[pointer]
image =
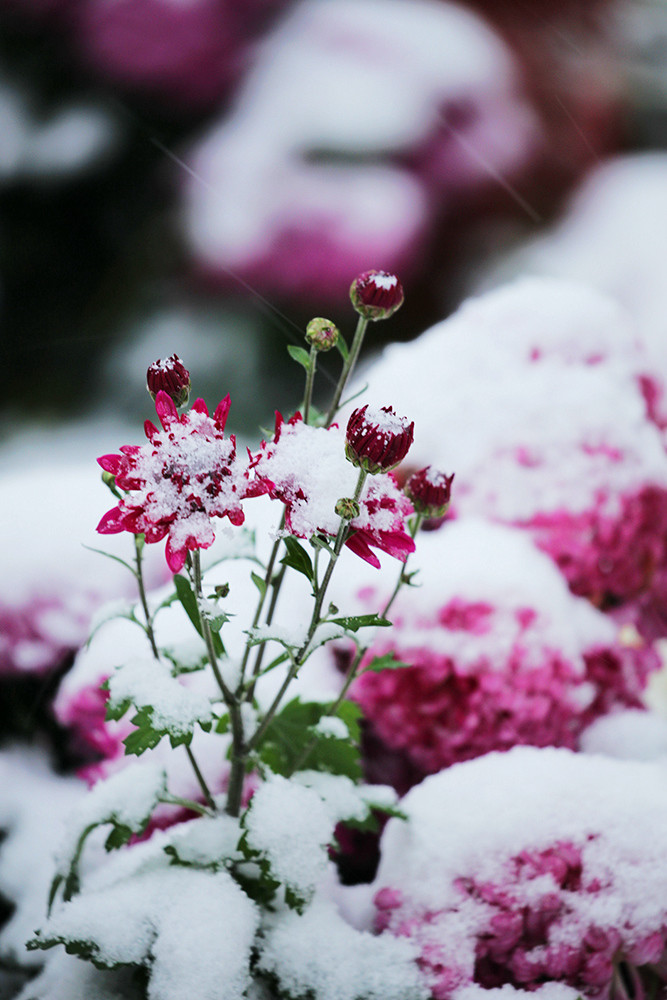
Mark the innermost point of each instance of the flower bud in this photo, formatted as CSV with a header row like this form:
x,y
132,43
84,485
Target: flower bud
x,y
347,507
376,294
170,376
322,334
377,440
430,492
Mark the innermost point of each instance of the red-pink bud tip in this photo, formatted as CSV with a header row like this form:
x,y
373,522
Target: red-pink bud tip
x,y
170,376
376,294
430,492
377,440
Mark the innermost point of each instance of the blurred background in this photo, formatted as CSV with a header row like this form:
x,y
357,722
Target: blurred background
x,y
203,176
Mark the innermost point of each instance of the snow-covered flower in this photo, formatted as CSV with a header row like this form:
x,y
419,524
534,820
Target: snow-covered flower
x,y
527,867
430,491
498,653
187,474
377,440
376,294
170,376
305,467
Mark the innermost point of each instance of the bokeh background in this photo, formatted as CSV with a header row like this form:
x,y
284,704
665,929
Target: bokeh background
x,y
203,176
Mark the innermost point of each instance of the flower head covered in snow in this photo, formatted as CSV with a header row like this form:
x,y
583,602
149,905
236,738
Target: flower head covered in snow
x,y
186,474
430,492
377,440
305,467
564,886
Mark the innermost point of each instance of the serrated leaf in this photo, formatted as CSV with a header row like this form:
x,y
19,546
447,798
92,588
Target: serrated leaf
x,y
386,662
215,622
259,582
299,355
297,558
292,731
353,623
115,712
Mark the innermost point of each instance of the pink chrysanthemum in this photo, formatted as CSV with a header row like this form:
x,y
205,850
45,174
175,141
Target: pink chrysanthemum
x,y
305,467
186,474
543,866
499,653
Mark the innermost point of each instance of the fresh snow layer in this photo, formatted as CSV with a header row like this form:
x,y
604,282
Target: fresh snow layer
x,y
526,434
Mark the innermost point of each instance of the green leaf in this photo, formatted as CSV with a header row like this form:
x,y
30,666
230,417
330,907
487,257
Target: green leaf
x,y
297,558
260,583
342,347
299,355
119,836
187,598
354,622
292,731
386,662
216,622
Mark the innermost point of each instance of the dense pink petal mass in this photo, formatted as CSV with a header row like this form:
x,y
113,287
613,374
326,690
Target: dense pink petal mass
x,y
187,474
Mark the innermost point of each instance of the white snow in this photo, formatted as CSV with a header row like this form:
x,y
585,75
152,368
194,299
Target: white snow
x,y
630,735
525,435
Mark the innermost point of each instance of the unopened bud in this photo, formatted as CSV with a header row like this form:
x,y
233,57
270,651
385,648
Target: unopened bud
x,y
376,294
322,334
170,376
377,440
347,508
430,492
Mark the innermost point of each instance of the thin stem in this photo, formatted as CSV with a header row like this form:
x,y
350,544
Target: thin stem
x,y
310,379
352,670
301,656
239,750
138,546
200,778
262,647
347,367
262,598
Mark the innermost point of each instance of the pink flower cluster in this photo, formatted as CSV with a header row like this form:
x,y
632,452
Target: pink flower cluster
x,y
563,884
493,660
524,938
438,711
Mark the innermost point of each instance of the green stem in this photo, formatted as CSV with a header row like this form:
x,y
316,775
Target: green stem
x,y
353,668
348,366
138,545
262,647
200,778
310,379
239,751
301,656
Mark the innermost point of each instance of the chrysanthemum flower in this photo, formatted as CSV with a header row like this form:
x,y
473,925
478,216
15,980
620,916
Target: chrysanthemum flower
x,y
499,653
430,491
305,467
529,867
377,440
172,377
187,474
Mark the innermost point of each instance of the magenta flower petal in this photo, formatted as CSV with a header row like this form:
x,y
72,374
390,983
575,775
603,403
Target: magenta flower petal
x,y
221,411
175,557
111,523
111,463
166,409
